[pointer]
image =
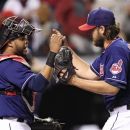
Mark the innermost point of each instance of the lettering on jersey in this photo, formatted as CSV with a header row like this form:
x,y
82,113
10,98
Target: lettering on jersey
x,y
101,70
116,68
114,77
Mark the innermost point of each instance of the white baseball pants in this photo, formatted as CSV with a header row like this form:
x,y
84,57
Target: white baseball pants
x,y
11,124
119,119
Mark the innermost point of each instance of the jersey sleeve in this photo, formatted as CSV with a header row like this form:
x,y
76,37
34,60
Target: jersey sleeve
x,y
95,66
116,68
21,76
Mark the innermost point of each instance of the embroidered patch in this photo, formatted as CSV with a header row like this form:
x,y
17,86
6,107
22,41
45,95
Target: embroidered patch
x,y
116,68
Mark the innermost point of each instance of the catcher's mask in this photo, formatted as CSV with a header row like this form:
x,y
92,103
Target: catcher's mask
x,y
15,27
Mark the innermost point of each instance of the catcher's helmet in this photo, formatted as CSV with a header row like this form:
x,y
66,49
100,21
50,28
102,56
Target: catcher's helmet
x,y
14,27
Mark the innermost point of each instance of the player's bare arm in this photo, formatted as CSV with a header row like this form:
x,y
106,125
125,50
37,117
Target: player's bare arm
x,y
55,44
83,68
99,87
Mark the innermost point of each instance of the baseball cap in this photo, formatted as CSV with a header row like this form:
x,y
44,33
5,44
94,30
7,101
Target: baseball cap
x,y
98,17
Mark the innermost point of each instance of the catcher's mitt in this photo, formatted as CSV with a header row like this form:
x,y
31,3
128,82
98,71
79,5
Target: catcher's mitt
x,y
63,61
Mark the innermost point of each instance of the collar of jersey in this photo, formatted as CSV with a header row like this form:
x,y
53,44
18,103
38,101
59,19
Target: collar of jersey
x,y
111,44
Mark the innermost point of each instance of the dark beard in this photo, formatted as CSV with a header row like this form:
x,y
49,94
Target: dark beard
x,y
100,42
27,56
20,53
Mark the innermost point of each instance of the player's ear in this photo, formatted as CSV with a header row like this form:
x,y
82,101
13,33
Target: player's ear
x,y
102,29
11,44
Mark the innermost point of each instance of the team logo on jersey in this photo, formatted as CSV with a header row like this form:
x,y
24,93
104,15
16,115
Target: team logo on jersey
x,y
116,68
101,70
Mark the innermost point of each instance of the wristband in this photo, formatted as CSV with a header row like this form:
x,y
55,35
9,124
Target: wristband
x,y
50,59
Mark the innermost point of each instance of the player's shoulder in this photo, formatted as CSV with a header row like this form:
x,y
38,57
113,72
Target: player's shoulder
x,y
119,44
11,64
13,60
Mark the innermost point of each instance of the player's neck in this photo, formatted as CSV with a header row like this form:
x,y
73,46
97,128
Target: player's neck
x,y
107,43
8,51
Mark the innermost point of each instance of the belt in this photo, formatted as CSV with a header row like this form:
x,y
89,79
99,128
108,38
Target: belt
x,y
121,108
14,119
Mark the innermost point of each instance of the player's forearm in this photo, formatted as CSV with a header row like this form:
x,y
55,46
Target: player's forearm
x,y
99,87
81,66
47,71
54,45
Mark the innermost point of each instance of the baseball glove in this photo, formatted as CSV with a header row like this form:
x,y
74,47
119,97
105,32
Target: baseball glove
x,y
63,61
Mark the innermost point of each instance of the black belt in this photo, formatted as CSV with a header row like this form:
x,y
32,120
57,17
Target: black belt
x,y
128,107
17,119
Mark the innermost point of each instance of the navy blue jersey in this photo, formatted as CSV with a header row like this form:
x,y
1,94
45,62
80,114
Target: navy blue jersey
x,y
113,66
15,75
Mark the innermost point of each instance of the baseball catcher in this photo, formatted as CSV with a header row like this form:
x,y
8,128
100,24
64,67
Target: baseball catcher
x,y
63,62
16,75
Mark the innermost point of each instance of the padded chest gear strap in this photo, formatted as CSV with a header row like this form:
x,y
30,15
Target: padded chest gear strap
x,y
15,58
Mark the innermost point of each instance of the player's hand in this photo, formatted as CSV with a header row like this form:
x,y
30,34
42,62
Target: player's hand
x,y
56,40
71,80
65,41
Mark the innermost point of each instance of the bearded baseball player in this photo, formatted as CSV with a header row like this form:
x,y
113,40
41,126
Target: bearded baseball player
x,y
109,74
16,75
